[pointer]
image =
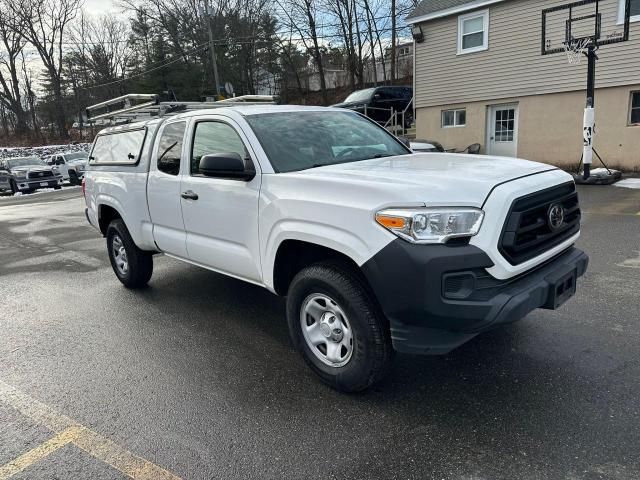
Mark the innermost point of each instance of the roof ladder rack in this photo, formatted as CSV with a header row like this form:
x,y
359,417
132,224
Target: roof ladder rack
x,y
135,107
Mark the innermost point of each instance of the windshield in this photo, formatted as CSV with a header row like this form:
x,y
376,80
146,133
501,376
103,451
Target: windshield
x,y
76,156
25,162
300,140
360,95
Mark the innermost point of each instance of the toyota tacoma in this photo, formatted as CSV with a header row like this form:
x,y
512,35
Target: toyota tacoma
x,y
376,249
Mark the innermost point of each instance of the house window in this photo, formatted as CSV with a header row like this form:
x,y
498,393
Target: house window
x,y
473,32
634,110
454,118
635,10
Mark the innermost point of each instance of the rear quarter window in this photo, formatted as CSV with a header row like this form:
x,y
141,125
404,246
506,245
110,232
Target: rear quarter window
x,y
118,148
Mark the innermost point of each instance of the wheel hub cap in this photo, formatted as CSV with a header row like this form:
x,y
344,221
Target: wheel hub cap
x,y
326,330
331,327
120,255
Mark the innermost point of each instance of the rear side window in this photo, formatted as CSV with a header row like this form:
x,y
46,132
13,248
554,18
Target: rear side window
x,y
121,148
170,148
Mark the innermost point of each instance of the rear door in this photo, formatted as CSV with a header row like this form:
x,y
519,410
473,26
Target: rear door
x,y
503,130
221,214
163,189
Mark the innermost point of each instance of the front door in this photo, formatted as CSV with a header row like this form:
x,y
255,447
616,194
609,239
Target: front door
x,y
221,214
503,130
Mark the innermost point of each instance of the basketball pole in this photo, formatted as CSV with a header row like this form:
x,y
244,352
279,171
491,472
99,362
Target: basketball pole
x,y
589,111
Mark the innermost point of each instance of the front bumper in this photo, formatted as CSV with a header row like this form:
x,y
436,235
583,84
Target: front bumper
x,y
438,297
35,184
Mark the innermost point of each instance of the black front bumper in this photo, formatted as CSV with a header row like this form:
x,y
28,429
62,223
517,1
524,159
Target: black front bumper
x,y
438,297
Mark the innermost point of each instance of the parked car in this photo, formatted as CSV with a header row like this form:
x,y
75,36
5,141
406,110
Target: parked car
x,y
5,179
26,174
418,146
374,248
68,165
377,103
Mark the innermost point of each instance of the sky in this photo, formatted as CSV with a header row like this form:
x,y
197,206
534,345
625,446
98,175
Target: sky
x,y
97,7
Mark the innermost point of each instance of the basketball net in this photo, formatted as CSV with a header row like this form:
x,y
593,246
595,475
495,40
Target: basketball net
x,y
575,50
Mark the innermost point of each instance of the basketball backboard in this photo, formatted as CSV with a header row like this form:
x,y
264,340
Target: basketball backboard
x,y
596,22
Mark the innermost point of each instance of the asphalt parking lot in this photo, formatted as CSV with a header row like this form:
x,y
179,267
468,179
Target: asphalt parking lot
x,y
195,377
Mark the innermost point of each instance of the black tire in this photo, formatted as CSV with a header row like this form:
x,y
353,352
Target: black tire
x,y
14,186
139,263
372,350
73,178
57,188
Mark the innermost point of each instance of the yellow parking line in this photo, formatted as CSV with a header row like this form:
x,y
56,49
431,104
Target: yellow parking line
x,y
119,458
69,431
38,453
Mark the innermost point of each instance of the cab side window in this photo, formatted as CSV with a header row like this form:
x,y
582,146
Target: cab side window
x,y
214,137
170,148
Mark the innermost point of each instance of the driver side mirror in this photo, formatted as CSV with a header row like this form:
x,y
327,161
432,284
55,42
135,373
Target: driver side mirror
x,y
377,96
226,165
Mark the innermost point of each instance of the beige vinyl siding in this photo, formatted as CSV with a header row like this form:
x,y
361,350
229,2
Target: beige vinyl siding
x,y
513,65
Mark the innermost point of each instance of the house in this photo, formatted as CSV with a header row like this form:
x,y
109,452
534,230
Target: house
x,y
404,64
480,77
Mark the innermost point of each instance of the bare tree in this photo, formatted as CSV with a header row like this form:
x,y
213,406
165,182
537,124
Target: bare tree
x,y
31,97
301,16
43,23
393,40
11,51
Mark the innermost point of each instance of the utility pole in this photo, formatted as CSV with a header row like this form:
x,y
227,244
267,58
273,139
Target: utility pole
x,y
393,41
212,49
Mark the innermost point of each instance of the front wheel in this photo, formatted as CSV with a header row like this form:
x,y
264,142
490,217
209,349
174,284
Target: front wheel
x,y
14,186
73,178
132,266
337,326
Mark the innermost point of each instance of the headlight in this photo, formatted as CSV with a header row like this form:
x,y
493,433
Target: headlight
x,y
431,225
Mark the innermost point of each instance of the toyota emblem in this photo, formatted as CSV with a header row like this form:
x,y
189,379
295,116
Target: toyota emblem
x,y
555,216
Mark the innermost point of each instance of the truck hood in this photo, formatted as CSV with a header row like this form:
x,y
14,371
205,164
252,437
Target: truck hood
x,y
431,178
352,105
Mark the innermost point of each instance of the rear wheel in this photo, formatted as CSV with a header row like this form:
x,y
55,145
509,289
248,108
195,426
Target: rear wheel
x,y
14,186
73,178
337,326
132,266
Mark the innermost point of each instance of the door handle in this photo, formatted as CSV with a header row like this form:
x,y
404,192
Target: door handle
x,y
189,195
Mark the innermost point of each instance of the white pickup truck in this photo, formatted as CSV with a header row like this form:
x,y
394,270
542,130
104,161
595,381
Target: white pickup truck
x,y
376,248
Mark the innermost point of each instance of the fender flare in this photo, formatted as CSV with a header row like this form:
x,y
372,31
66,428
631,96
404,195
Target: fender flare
x,y
109,201
324,235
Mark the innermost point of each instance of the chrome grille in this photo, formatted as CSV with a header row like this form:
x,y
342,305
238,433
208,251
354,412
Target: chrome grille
x,y
43,174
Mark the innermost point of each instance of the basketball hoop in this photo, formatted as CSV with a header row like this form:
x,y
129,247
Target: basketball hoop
x,y
576,49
